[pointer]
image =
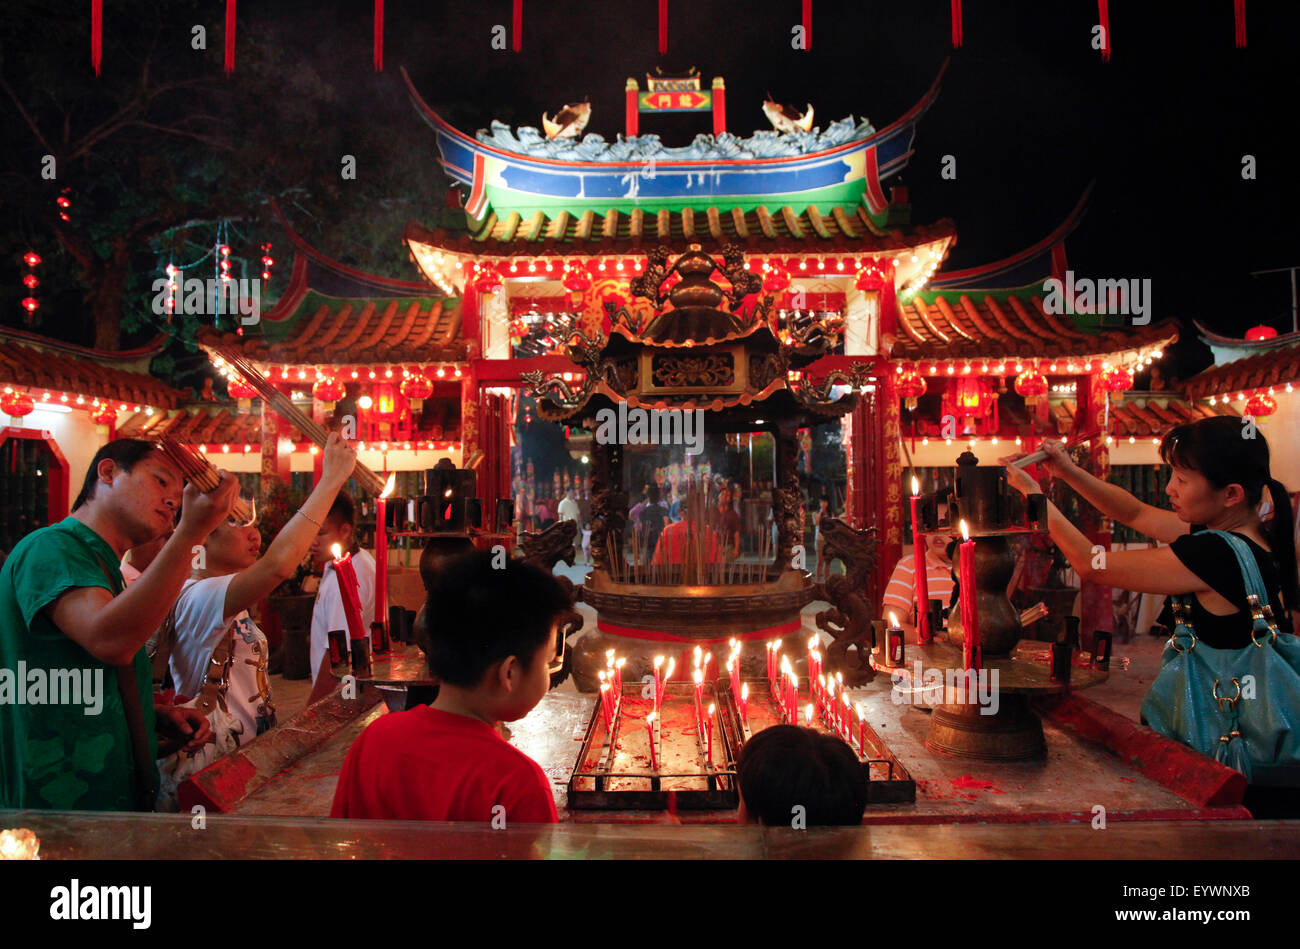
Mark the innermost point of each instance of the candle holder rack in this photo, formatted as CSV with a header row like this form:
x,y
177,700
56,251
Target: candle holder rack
x,y
888,781
616,771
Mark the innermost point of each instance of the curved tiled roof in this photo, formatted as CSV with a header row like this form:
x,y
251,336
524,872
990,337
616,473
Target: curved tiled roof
x,y
1275,367
59,367
332,331
208,424
1141,417
622,232
974,324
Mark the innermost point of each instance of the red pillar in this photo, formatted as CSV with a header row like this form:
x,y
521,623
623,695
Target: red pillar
x,y
632,115
875,479
719,106
275,449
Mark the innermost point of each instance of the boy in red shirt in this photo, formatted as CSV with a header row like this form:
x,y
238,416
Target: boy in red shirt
x,y
492,639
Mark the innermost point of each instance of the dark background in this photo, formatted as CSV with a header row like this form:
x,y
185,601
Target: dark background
x,y
1028,108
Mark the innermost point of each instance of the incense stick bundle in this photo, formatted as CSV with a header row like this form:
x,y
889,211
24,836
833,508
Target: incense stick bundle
x,y
283,406
199,470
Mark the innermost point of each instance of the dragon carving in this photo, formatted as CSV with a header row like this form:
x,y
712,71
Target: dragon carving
x,y
819,393
849,618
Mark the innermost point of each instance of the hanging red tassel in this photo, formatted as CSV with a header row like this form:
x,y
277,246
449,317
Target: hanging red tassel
x,y
230,37
1103,14
1239,11
807,25
517,24
96,33
663,27
379,35
956,23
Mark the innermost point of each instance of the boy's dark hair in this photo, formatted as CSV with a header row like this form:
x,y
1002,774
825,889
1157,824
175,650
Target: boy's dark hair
x,y
125,452
653,493
342,512
787,765
478,614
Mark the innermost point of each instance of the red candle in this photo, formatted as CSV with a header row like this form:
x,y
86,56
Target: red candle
x,y
381,552
659,679
744,701
699,695
922,587
347,576
969,613
708,727
847,731
604,709
650,733
862,732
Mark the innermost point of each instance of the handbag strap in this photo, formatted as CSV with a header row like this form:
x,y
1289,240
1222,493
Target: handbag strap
x,y
1261,613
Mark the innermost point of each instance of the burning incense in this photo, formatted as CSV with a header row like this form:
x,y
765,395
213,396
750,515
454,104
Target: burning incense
x,y
283,406
199,470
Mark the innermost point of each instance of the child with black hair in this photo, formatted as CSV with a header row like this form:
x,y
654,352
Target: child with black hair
x,y
787,766
492,640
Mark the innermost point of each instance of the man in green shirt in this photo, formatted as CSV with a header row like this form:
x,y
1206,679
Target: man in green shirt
x,y
69,635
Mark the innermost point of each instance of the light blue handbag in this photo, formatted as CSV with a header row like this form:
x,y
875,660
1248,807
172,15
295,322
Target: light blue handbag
x,y
1239,706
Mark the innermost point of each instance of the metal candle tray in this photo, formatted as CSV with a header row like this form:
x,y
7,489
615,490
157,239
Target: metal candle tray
x,y
617,774
888,782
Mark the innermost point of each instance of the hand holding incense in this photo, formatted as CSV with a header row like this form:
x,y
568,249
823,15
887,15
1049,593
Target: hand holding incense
x,y
199,471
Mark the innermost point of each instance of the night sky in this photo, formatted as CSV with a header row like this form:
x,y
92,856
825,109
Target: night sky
x,y
1028,108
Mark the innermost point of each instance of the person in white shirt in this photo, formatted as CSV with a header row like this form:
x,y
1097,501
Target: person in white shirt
x,y
338,527
570,511
212,612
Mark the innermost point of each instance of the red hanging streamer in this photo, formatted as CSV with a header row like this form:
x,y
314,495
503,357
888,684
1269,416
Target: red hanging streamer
x,y
1239,11
807,25
517,24
230,37
956,23
1103,14
663,27
379,35
96,33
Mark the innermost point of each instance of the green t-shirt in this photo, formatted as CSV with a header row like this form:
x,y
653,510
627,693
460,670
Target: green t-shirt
x,y
53,755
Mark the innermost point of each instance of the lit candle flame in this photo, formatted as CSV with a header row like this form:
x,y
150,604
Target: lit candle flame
x,y
601,674
812,643
893,619
699,677
619,664
711,708
860,715
672,664
698,654
916,486
965,533
659,661
389,485
650,719
744,692
337,551
808,713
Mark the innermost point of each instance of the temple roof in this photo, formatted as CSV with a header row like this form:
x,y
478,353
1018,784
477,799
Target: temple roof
x,y
1142,417
203,424
623,232
41,364
326,330
1012,324
1276,362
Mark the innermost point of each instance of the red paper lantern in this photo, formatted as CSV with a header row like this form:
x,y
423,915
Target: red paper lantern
x,y
1032,386
1260,405
576,278
16,404
237,388
417,388
31,281
869,277
106,417
775,277
1117,381
30,304
1261,332
911,386
31,258
328,390
486,279
384,398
